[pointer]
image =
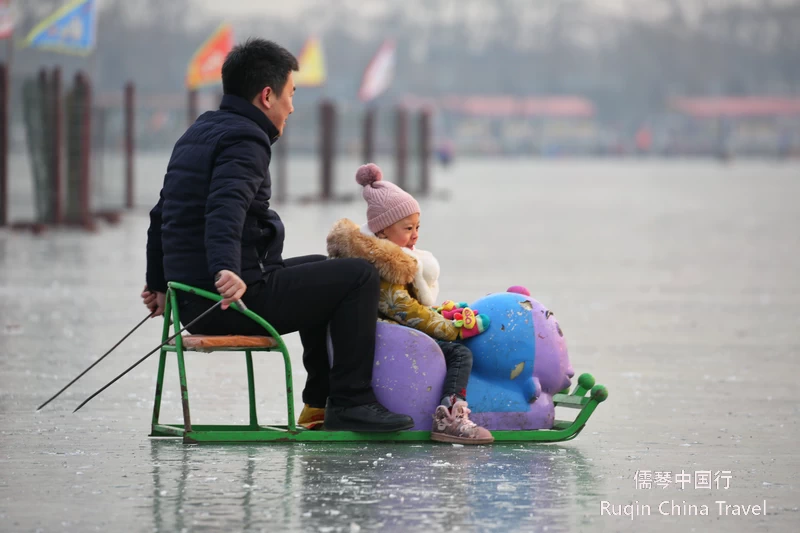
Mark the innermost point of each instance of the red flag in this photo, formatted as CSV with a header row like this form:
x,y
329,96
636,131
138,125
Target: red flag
x,y
205,67
7,19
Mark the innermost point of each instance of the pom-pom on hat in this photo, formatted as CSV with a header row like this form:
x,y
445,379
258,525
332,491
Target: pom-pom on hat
x,y
386,202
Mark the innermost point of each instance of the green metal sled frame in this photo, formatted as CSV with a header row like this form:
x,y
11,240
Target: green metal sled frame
x,y
254,432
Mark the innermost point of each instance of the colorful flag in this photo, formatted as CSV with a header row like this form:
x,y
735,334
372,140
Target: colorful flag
x,y
205,67
379,73
70,30
7,19
312,65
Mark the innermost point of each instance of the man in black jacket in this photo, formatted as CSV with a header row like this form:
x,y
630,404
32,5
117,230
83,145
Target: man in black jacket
x,y
213,228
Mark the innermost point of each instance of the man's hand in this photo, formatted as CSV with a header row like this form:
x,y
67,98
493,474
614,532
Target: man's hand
x,y
154,301
230,287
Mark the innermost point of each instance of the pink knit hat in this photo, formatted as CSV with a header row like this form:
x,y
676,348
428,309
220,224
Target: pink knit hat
x,y
386,202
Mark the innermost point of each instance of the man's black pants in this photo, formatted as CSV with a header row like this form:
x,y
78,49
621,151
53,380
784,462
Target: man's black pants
x,y
309,295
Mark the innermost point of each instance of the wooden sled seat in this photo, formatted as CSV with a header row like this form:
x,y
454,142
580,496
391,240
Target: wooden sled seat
x,y
202,343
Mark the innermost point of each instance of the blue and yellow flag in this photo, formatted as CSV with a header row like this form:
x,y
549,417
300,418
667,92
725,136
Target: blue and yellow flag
x,y
70,30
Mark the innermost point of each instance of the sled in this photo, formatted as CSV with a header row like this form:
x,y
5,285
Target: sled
x,y
584,397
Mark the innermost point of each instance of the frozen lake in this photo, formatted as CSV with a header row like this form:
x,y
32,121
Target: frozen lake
x,y
676,284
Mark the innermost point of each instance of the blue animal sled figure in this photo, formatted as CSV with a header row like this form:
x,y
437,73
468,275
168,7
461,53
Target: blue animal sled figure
x,y
521,371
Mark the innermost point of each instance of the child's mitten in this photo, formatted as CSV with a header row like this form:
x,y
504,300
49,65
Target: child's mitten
x,y
449,308
471,324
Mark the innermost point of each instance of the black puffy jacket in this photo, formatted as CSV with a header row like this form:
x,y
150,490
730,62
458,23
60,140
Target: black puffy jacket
x,y
214,212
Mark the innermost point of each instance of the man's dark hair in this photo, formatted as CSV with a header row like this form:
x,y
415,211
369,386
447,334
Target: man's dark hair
x,y
256,64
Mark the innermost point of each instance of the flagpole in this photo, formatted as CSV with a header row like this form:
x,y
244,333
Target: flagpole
x,y
95,175
9,52
93,65
6,126
10,47
10,39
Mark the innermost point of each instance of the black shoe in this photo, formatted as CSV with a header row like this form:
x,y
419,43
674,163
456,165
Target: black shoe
x,y
369,418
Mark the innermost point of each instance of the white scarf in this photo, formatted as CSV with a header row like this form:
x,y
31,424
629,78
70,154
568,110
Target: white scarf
x,y
426,280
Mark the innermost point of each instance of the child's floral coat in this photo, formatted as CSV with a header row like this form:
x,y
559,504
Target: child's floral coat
x,y
409,278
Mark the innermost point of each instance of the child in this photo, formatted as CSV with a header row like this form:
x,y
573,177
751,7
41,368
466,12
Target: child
x,y
409,288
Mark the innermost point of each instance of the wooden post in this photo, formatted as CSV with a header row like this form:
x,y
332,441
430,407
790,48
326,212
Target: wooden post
x,y
191,107
327,147
129,143
368,140
401,145
424,151
4,119
281,181
44,188
57,141
86,130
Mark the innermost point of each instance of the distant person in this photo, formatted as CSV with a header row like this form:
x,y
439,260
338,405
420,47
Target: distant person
x,y
445,152
644,140
213,228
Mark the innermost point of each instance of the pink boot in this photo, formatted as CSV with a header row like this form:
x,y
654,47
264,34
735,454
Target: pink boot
x,y
453,425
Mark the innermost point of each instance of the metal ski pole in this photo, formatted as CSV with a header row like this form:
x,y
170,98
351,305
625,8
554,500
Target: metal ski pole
x,y
187,326
68,385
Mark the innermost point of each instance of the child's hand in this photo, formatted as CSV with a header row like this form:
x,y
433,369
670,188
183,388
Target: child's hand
x,y
449,308
470,324
447,305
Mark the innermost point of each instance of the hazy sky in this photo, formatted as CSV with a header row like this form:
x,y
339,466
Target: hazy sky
x,y
294,6
620,7
647,9
243,7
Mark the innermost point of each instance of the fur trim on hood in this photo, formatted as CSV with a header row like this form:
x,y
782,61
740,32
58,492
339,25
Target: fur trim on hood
x,y
346,239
